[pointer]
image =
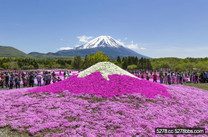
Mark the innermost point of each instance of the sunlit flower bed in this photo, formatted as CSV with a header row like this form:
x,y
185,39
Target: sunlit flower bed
x,y
96,84
68,114
102,101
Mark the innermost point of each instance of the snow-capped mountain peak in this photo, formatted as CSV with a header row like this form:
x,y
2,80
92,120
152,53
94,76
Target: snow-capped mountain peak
x,y
102,41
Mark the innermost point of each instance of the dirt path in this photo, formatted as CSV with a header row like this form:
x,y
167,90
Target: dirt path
x,y
8,132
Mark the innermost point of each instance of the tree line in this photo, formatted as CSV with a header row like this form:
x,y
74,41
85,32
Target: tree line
x,y
180,65
129,63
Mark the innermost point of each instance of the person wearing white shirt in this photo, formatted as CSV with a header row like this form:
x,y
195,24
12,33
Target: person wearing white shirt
x,y
39,77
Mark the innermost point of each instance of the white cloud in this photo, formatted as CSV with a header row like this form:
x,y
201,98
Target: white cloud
x,y
65,48
84,38
142,48
132,46
77,46
135,46
125,38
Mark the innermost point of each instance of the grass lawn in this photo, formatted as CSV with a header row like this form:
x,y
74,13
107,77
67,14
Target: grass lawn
x,y
200,85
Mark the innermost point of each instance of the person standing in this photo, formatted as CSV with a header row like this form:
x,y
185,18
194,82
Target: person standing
x,y
178,78
186,74
11,81
206,77
17,81
70,74
155,77
2,80
6,80
45,78
181,78
169,78
192,77
24,80
39,78
53,74
54,79
1,83
31,79
147,76
173,77
59,79
201,78
64,74
142,76
49,78
166,78
27,80
161,77
188,80
196,77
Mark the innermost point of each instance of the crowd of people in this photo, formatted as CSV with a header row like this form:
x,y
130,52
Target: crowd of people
x,y
173,77
9,79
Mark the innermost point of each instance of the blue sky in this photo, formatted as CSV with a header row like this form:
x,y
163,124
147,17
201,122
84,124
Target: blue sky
x,y
155,28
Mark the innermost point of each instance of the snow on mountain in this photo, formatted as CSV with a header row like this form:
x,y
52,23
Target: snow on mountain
x,y
65,48
111,47
102,41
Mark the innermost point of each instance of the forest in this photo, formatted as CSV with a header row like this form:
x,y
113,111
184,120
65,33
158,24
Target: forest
x,y
129,63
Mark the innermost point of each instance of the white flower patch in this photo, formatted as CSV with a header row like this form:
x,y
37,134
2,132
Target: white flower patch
x,y
106,68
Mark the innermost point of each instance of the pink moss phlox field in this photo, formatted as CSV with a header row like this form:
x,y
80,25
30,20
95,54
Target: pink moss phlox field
x,y
96,84
67,114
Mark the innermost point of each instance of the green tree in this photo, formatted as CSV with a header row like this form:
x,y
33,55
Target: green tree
x,y
148,65
202,66
5,65
13,65
165,66
118,59
180,68
189,66
131,67
130,61
135,60
35,64
77,62
125,63
140,64
95,58
100,56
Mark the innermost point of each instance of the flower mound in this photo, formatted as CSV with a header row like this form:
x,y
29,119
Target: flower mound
x,y
96,84
66,114
105,68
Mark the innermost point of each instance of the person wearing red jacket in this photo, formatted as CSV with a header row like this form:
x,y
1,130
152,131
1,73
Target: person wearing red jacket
x,y
155,77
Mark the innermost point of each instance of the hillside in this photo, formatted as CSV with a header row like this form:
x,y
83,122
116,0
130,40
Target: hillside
x,y
7,51
106,44
48,55
111,52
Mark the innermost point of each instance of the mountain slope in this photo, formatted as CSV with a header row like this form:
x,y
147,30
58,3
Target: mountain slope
x,y
102,41
7,51
107,44
111,52
47,55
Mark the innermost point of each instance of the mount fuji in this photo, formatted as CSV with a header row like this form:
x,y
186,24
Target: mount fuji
x,y
106,44
102,41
